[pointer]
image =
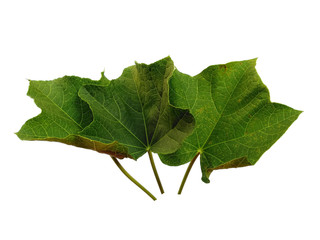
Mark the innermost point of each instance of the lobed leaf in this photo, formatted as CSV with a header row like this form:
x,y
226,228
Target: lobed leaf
x,y
64,114
235,120
134,111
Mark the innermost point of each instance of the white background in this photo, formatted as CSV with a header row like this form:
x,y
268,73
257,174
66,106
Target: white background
x,y
54,191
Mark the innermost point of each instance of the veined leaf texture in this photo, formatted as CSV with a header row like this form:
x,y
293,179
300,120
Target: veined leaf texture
x,y
223,114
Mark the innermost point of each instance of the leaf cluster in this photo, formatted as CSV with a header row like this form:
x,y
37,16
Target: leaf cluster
x,y
223,114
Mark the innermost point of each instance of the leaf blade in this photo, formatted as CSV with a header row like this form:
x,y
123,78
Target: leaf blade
x,y
224,100
63,115
134,110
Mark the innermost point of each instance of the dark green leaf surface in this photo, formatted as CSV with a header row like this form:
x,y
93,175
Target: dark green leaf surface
x,y
134,111
235,120
63,114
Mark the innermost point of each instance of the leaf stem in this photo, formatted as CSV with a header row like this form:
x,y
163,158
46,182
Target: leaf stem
x,y
131,178
155,172
187,173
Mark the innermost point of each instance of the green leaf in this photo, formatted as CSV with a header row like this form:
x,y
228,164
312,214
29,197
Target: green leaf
x,y
235,120
134,111
64,114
